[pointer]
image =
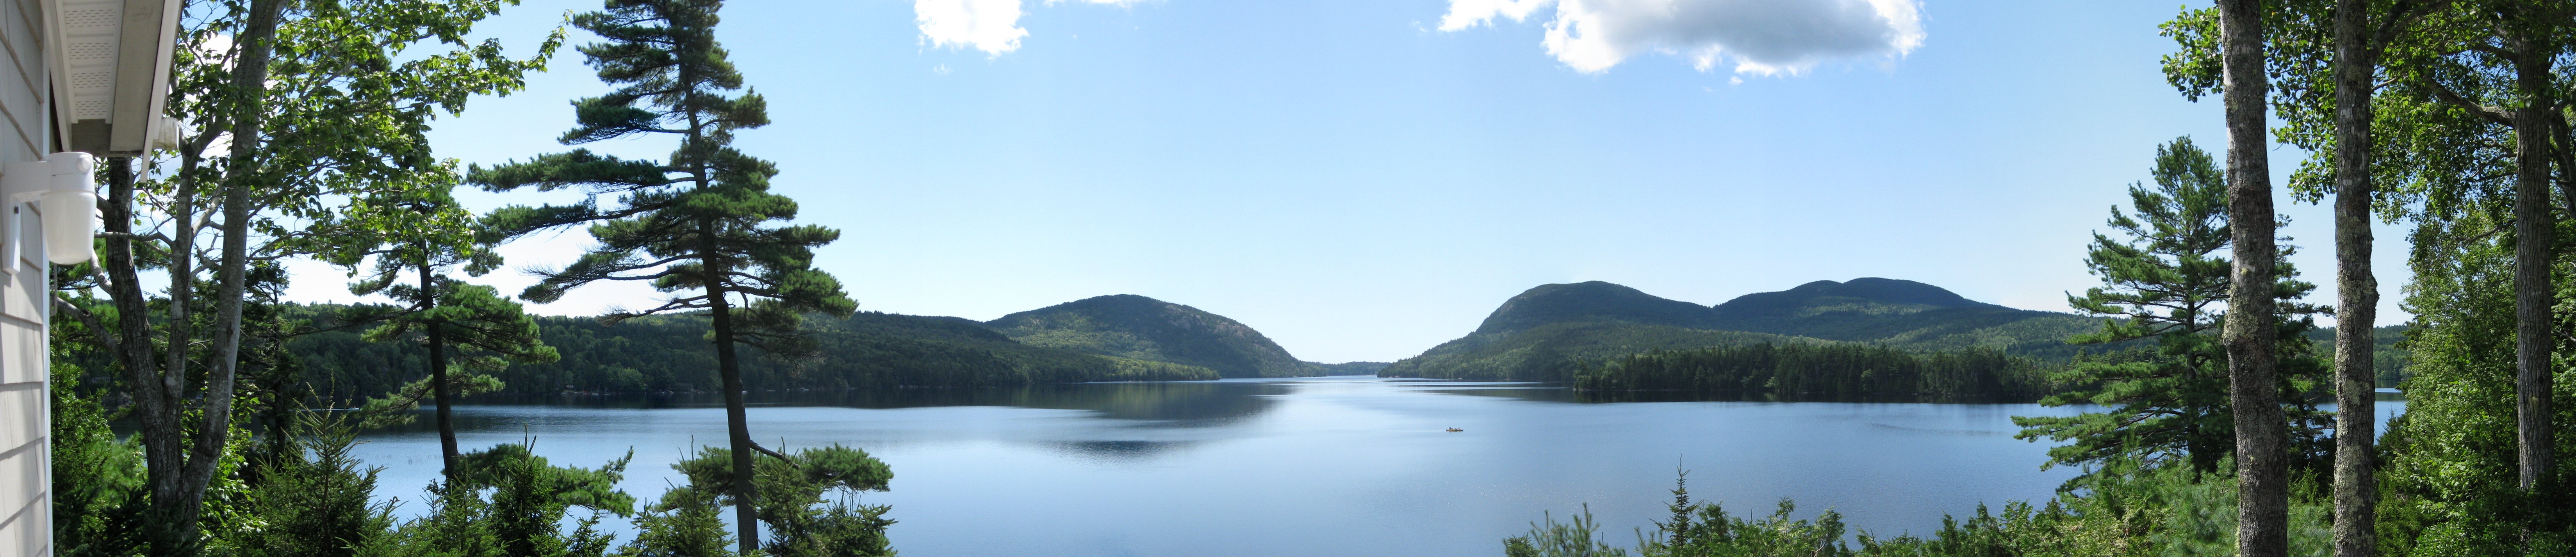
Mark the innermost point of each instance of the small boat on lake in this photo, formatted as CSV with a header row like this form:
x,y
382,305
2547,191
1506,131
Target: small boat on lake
x,y
1454,430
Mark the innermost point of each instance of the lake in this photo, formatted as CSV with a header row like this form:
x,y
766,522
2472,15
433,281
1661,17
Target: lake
x,y
1313,466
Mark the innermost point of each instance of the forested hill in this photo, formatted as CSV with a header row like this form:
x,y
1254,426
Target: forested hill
x,y
1137,327
1901,313
672,353
1550,304
1543,333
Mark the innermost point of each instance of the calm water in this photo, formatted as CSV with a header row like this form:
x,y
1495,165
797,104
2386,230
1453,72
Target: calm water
x,y
1320,466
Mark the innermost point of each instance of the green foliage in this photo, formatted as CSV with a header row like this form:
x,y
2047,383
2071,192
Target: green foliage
x,y
396,408
508,502
1126,369
1141,328
696,224
659,353
2388,354
352,88
2164,282
310,499
806,499
2127,509
1822,369
1569,539
98,490
493,330
2449,484
1703,528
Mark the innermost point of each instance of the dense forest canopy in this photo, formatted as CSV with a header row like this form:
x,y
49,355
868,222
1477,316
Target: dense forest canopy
x,y
670,353
1823,369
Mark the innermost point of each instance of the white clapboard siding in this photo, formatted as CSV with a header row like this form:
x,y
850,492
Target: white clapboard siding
x,y
26,527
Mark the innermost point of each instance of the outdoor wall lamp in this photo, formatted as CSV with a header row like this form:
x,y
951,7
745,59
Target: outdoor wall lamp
x,y
64,195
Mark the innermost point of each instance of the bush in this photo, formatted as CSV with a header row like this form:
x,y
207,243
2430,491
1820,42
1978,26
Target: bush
x,y
2127,510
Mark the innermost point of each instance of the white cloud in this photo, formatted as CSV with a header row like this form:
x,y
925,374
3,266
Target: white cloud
x,y
1470,13
992,26
1757,36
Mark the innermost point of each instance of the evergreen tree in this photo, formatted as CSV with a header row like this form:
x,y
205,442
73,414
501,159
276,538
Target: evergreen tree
x,y
793,489
419,234
310,499
2167,282
528,502
691,225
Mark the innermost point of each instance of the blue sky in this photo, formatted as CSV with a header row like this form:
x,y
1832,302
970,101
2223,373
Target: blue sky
x,y
1360,181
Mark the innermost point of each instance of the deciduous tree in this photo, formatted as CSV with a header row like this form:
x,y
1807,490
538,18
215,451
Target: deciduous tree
x,y
298,104
2262,467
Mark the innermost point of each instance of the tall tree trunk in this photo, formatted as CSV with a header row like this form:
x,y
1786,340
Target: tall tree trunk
x,y
250,78
728,364
166,453
2262,470
437,344
2532,291
2356,290
156,416
737,422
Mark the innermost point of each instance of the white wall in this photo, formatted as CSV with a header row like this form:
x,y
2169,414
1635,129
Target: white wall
x,y
26,509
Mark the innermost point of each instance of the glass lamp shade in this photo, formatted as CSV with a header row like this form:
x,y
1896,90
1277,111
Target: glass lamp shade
x,y
70,216
70,205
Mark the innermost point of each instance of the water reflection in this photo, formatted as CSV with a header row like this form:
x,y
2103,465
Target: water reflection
x,y
1117,452
1257,467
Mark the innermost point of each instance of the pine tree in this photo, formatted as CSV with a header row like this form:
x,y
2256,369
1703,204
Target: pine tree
x,y
691,225
415,236
450,314
2167,283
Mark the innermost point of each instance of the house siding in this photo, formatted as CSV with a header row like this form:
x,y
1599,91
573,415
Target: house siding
x,y
26,475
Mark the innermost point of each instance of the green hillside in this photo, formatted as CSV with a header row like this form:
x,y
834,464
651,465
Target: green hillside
x,y
672,353
1550,304
1141,328
1901,313
1552,352
1545,332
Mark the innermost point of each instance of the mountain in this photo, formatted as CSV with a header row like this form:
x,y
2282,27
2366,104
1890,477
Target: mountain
x,y
1543,333
1141,328
1901,313
1550,352
1591,301
1861,295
